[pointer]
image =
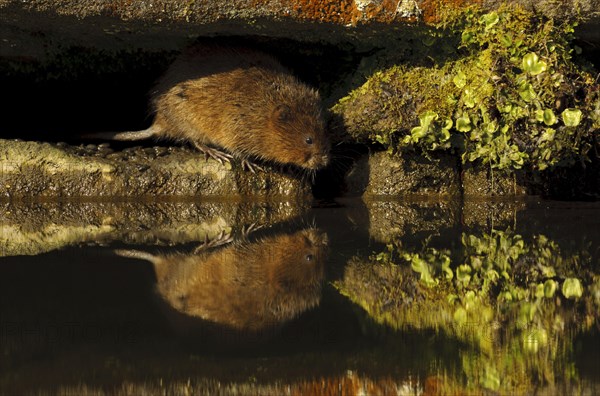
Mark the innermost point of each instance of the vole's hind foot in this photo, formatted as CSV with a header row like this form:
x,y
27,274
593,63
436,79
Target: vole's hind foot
x,y
210,152
251,166
247,230
222,239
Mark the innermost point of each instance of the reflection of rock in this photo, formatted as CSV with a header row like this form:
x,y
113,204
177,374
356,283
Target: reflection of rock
x,y
486,214
29,228
245,286
392,219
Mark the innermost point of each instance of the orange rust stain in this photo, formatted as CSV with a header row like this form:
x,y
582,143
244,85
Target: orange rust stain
x,y
343,11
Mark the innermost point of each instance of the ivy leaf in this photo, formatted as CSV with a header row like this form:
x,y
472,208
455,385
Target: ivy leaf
x,y
447,124
463,274
548,117
467,37
427,118
463,124
490,19
460,80
571,117
418,132
419,265
506,40
526,92
469,98
548,135
533,65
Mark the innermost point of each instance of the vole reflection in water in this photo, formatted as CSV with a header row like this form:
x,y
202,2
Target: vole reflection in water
x,y
247,286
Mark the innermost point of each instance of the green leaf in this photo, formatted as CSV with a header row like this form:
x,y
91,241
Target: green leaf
x,y
571,117
539,291
422,267
469,98
447,124
417,133
490,19
534,339
526,92
539,115
572,288
549,118
548,135
460,80
427,117
533,65
463,124
467,37
506,40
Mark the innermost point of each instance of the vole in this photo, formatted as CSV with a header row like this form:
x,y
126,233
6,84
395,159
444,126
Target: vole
x,y
240,100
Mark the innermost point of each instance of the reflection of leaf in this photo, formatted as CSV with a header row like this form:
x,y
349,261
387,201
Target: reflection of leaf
x,y
422,267
463,273
572,288
549,288
460,316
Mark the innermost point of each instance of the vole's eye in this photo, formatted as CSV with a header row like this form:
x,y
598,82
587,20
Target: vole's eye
x,y
308,140
309,257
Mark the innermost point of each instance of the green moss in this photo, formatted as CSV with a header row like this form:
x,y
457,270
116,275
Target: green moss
x,y
514,98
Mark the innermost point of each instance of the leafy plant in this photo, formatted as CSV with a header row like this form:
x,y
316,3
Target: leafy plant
x,y
511,98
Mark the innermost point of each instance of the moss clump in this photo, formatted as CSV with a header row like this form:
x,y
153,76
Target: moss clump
x,y
514,98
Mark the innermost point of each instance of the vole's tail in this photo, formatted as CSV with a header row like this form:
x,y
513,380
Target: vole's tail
x,y
125,136
136,254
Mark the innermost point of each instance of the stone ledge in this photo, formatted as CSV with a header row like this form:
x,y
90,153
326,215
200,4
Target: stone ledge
x,y
31,170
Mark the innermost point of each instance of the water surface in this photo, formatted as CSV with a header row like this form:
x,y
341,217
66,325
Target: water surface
x,y
383,297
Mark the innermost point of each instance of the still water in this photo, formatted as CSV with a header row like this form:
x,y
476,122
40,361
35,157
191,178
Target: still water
x,y
382,297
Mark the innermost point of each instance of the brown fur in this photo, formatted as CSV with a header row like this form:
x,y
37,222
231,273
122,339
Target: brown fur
x,y
244,286
242,101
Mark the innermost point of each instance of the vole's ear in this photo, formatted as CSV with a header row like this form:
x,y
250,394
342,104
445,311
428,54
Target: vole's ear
x,y
282,113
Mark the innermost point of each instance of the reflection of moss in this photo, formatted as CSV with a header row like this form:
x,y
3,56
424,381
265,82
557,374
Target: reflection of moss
x,y
515,98
513,302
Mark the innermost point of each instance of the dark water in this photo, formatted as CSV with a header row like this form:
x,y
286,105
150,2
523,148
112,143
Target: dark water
x,y
386,297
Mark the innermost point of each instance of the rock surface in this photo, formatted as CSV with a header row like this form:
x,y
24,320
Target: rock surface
x,y
33,170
